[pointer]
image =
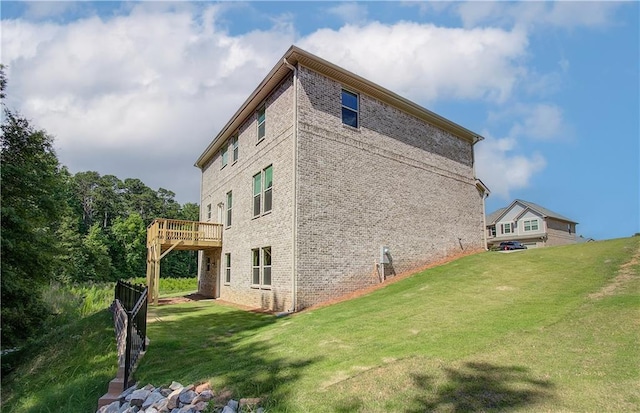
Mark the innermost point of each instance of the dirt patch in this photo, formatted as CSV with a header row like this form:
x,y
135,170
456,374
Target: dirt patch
x,y
625,274
183,299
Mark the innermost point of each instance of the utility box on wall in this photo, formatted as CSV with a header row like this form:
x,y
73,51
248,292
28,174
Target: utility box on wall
x,y
384,255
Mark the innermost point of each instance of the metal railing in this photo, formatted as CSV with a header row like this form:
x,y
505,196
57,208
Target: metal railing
x,y
130,320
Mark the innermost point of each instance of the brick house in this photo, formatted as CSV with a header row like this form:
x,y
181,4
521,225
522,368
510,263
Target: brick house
x,y
532,224
327,183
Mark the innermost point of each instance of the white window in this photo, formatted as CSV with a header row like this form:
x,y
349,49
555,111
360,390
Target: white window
x,y
225,155
229,205
227,268
506,228
234,147
261,267
209,212
350,108
263,191
220,212
261,123
531,225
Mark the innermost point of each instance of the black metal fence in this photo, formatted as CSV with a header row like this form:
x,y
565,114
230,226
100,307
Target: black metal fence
x,y
130,319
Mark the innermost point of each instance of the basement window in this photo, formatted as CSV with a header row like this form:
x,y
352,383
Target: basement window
x,y
227,268
261,267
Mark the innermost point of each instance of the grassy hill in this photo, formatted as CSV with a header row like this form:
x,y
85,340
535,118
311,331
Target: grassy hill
x,y
553,329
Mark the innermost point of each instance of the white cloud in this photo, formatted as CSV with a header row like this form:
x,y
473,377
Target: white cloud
x,y
562,14
153,84
425,62
354,13
502,169
541,121
141,94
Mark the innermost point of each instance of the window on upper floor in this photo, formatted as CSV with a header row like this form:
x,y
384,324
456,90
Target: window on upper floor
x,y
230,145
224,155
263,191
492,231
530,225
350,108
261,123
261,267
229,205
209,212
506,228
234,147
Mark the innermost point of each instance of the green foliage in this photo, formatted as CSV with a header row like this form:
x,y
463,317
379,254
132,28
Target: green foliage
x,y
72,302
56,226
111,216
171,286
130,238
32,201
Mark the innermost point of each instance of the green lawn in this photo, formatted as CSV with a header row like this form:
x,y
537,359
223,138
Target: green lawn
x,y
553,329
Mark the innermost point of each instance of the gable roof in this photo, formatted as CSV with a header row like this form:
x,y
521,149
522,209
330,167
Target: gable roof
x,y
493,217
546,213
296,56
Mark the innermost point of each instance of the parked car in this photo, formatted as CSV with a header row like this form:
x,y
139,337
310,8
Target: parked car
x,y
512,245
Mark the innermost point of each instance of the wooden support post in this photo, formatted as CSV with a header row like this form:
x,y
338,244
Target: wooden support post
x,y
156,285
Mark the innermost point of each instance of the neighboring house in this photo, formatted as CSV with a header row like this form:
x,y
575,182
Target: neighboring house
x,y
531,224
327,183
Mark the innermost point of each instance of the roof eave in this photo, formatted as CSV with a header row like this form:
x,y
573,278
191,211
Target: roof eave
x,y
295,56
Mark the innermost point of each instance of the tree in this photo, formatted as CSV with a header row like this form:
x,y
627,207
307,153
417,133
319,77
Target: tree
x,y
33,190
130,242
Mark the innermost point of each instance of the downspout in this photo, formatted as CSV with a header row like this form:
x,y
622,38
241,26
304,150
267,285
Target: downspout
x,y
484,194
484,221
294,219
200,254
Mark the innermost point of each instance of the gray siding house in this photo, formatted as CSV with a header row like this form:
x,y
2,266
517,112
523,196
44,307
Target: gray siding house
x,y
531,224
327,183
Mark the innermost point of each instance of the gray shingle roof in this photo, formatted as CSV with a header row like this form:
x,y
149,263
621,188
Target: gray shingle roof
x,y
492,217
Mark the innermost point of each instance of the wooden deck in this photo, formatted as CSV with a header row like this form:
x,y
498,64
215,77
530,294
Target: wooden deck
x,y
184,235
166,235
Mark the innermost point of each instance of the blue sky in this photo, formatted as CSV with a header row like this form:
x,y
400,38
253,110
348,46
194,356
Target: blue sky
x,y
139,89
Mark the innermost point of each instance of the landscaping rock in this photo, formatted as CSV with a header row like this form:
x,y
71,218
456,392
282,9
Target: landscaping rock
x,y
114,407
186,397
202,387
180,399
139,396
127,392
172,399
175,385
233,404
153,398
204,396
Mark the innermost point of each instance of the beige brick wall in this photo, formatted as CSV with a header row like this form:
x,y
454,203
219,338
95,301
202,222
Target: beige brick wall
x,y
396,181
560,232
273,229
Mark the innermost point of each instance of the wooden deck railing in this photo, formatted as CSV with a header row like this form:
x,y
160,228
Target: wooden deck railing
x,y
166,235
168,231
